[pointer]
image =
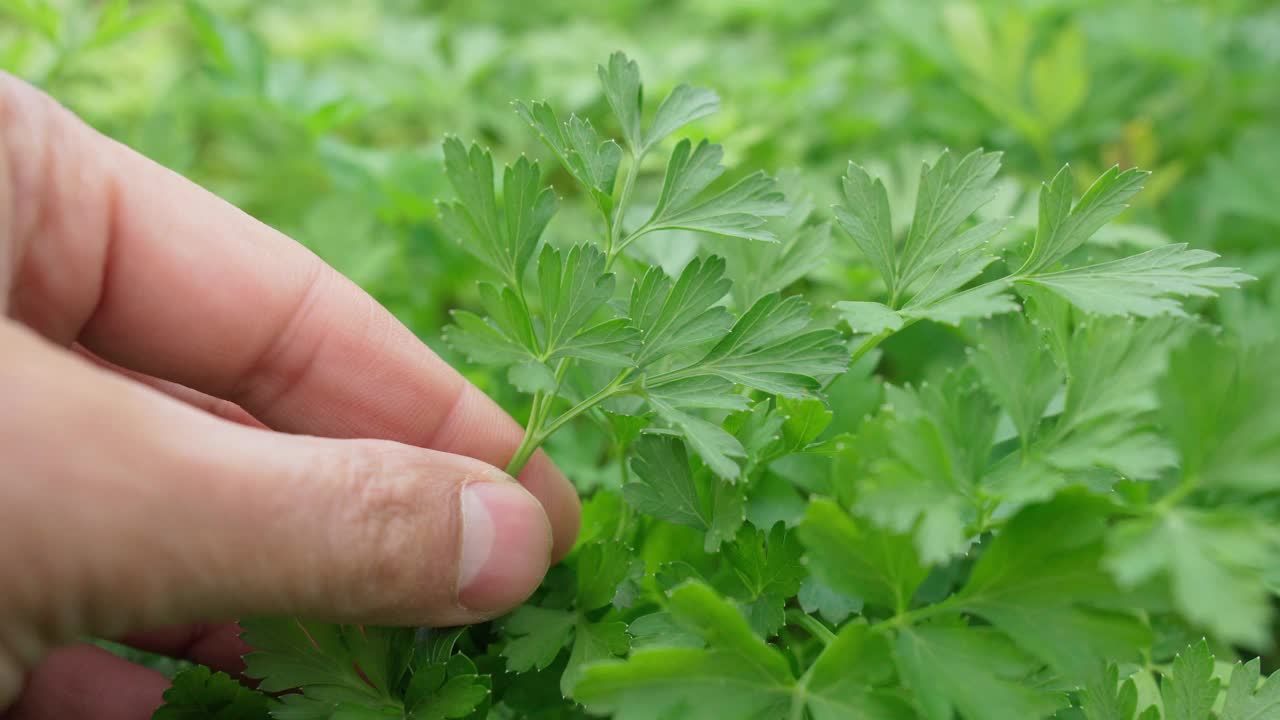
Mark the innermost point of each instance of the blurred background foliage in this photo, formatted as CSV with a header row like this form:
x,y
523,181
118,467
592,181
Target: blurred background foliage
x,y
324,118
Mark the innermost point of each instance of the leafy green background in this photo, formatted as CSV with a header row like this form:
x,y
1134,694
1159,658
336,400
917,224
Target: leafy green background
x,y
325,119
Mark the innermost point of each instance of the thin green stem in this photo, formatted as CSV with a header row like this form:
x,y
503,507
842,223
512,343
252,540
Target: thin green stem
x,y
911,617
628,513
615,387
799,618
562,368
530,442
870,344
612,247
539,430
1189,484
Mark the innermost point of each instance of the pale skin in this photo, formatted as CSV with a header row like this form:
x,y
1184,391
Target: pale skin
x,y
200,421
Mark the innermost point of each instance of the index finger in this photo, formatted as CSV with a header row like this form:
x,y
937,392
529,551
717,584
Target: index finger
x,y
156,274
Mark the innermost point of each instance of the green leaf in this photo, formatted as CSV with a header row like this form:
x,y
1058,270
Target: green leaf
x,y
708,392
1147,284
816,597
41,15
865,215
698,608
537,634
444,687
483,342
717,448
980,302
593,162
771,348
934,452
768,565
503,237
1015,368
1112,366
601,567
593,642
504,337
675,316
198,693
1221,404
334,665
1060,77
738,211
684,105
620,79
760,268
116,22
803,421
1191,689
1042,583
950,191
938,257
528,376
233,51
871,318
877,566
1063,228
1246,699
1106,698
973,671
609,343
457,698
840,682
1213,563
573,287
736,675
728,513
664,486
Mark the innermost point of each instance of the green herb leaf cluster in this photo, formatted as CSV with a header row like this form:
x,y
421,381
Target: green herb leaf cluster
x,y
1045,528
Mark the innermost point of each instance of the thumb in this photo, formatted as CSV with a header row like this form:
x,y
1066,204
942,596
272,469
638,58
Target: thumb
x,y
121,509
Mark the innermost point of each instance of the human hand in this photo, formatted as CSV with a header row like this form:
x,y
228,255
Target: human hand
x,y
178,384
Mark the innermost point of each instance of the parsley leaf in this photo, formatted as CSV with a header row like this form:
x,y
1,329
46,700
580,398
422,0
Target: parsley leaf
x,y
735,675
592,162
1041,582
974,671
198,693
738,211
572,287
623,89
878,566
1063,227
841,683
1190,690
936,257
505,237
1246,698
675,316
539,634
770,348
1144,285
337,666
664,486
933,452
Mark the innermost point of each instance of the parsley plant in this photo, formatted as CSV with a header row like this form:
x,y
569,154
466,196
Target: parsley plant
x,y
1049,528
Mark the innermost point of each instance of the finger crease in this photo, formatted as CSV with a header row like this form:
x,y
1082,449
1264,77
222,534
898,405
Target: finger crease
x,y
269,378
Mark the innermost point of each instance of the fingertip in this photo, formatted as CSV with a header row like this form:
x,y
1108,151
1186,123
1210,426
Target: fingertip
x,y
505,547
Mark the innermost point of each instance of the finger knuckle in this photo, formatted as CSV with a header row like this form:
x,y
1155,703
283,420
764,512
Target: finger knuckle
x,y
393,516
